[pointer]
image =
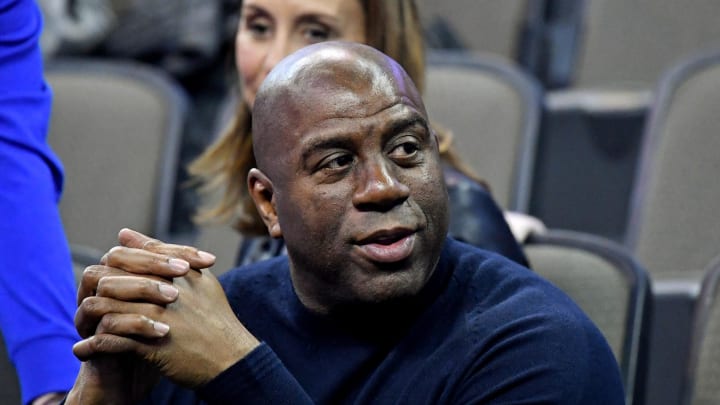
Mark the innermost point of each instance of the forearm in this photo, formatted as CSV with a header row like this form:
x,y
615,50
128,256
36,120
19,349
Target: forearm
x,y
82,395
259,378
113,379
85,395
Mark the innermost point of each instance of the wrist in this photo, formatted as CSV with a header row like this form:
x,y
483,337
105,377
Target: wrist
x,y
90,389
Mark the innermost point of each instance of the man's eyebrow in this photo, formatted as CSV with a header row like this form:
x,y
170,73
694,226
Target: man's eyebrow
x,y
337,139
401,124
328,141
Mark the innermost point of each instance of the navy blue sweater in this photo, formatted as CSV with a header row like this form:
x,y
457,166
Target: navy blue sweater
x,y
484,330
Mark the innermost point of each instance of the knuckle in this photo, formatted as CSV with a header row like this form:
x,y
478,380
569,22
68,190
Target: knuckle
x,y
99,343
105,286
91,305
108,323
151,244
102,286
148,287
158,259
188,251
91,273
80,323
143,322
112,254
155,312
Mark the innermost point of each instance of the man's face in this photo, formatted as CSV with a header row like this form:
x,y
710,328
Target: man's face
x,y
359,192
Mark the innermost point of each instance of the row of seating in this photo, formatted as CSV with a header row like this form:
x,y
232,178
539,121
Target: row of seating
x,y
494,94
670,228
598,61
613,288
577,43
494,111
626,136
593,66
116,127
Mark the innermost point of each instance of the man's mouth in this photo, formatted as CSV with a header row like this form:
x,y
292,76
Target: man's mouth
x,y
388,246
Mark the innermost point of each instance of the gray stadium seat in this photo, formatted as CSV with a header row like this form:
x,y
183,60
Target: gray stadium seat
x,y
493,112
630,43
592,130
609,285
702,383
477,25
116,127
223,242
673,227
587,153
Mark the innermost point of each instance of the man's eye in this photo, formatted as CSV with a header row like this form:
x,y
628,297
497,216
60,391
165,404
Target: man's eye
x,y
405,150
338,162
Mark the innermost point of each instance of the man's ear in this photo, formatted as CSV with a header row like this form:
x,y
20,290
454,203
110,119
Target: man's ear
x,y
261,190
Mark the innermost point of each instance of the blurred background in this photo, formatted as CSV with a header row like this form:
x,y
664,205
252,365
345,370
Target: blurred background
x,y
598,117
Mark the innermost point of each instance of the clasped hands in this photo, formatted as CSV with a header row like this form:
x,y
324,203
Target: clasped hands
x,y
148,309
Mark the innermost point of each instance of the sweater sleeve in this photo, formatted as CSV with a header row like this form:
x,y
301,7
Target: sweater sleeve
x,y
37,290
259,378
551,358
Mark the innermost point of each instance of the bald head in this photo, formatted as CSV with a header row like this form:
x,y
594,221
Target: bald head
x,y
330,77
348,166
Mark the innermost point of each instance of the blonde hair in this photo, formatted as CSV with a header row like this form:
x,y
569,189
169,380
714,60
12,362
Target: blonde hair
x,y
393,27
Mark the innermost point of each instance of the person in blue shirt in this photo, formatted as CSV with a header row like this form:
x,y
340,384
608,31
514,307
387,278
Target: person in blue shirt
x,y
37,289
373,302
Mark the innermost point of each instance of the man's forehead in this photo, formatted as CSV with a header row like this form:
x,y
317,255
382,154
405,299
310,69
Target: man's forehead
x,y
399,111
308,62
329,65
330,80
345,99
335,94
351,80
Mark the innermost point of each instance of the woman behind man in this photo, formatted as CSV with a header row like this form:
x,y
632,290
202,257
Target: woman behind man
x,y
268,31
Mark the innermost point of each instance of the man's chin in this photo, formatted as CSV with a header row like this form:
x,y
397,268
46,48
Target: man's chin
x,y
389,286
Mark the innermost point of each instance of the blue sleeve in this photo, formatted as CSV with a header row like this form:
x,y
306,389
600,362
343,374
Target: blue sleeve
x,y
259,378
37,290
553,359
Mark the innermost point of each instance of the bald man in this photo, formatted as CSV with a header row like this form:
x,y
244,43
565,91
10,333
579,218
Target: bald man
x,y
373,304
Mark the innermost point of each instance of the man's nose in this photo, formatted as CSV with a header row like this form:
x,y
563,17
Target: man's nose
x,y
379,188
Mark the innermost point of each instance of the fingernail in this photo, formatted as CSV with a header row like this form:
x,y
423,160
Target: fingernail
x,y
179,265
168,290
161,328
208,257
